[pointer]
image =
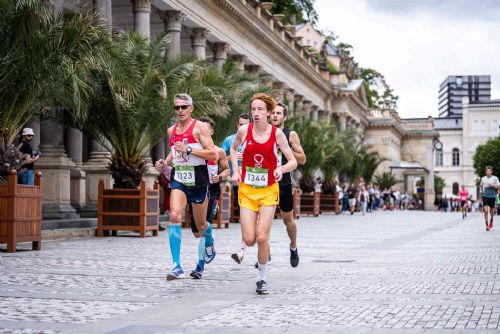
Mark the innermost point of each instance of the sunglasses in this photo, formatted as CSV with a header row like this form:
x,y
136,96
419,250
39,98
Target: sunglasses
x,y
183,107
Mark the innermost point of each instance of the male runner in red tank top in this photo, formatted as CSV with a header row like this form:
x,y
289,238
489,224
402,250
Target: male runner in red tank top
x,y
191,147
258,192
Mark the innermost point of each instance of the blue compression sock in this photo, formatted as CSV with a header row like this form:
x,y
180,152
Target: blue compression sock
x,y
201,253
209,239
174,237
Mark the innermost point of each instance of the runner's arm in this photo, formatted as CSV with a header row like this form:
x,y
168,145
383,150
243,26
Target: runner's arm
x,y
297,149
223,164
205,139
287,152
238,140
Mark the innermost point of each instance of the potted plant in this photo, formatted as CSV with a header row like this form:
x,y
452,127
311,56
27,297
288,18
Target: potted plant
x,y
127,107
315,138
338,157
41,48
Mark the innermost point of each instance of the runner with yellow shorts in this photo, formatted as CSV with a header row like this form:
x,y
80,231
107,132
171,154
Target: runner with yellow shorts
x,y
258,192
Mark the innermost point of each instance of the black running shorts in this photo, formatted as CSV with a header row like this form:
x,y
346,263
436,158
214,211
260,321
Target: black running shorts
x,y
286,198
489,201
212,210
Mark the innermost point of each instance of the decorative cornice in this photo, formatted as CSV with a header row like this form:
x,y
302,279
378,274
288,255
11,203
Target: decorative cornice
x,y
141,6
260,31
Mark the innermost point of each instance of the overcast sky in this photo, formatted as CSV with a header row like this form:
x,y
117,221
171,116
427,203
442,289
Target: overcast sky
x,y
417,43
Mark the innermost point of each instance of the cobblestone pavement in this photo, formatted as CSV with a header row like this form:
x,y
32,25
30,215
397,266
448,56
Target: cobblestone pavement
x,y
384,272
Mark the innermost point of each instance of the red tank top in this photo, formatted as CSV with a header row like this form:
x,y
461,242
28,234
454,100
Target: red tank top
x,y
188,169
259,160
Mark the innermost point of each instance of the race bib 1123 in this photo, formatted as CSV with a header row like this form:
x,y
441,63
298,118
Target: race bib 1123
x,y
185,175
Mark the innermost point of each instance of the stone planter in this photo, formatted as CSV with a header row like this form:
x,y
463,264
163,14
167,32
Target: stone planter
x,y
21,212
128,209
309,204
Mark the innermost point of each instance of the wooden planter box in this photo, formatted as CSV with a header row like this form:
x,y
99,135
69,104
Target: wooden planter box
x,y
21,213
235,208
309,204
329,203
128,210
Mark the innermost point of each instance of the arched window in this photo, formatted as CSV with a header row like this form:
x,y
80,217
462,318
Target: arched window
x,y
476,126
439,157
483,125
455,188
455,157
494,127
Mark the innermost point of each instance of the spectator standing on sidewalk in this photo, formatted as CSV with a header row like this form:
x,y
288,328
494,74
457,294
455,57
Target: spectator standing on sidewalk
x,y
27,172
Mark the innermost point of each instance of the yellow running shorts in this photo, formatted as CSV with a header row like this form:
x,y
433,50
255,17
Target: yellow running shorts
x,y
253,198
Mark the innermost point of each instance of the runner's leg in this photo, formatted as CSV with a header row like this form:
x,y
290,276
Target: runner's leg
x,y
178,202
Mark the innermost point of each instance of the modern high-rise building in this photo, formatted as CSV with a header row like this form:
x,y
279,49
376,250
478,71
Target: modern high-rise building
x,y
452,90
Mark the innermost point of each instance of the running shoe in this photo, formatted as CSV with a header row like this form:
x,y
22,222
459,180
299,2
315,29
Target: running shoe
x,y
176,273
237,258
487,226
262,288
209,253
268,262
197,273
294,258
490,226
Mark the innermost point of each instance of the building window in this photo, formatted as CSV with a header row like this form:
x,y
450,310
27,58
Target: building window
x,y
476,126
439,157
455,157
494,127
483,125
455,188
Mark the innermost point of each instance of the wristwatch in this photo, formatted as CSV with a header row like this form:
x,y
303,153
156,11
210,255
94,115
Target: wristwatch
x,y
189,150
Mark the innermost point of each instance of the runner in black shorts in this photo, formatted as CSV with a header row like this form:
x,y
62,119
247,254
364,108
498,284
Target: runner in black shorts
x,y
278,118
217,169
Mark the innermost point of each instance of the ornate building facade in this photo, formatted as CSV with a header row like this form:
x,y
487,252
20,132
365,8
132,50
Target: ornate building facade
x,y
460,137
256,40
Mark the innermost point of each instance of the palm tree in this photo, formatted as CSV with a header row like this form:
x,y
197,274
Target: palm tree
x,y
361,163
338,157
315,138
132,91
245,86
41,50
385,180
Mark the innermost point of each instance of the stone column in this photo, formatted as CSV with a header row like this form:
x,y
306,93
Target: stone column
x,y
95,169
199,41
279,87
306,109
220,54
342,122
314,113
56,167
291,101
173,22
240,60
74,148
429,178
102,8
298,104
142,12
253,69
